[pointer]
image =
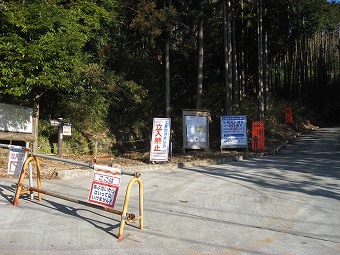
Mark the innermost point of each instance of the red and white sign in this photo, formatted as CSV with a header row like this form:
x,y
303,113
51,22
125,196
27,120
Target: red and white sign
x,y
67,130
16,159
160,142
105,184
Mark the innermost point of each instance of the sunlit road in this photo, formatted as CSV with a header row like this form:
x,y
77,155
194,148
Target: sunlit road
x,y
288,203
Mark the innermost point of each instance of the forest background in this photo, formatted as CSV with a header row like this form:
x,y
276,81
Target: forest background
x,y
110,66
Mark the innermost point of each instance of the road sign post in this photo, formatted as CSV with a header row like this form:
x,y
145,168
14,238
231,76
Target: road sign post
x,y
60,124
60,137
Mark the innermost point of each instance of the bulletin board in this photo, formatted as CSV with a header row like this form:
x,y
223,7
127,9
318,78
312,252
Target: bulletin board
x,y
195,129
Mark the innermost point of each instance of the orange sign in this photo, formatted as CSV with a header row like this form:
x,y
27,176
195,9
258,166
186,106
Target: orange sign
x,y
257,135
288,115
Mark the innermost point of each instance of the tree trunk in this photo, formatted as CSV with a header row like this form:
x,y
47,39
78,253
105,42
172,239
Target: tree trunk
x,y
236,88
199,89
167,72
227,56
260,59
36,123
242,67
266,74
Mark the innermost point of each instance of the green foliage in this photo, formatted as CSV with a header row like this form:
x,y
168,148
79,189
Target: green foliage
x,y
99,64
43,42
74,144
40,44
128,116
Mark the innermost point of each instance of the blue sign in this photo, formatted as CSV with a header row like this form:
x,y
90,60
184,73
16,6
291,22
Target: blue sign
x,y
234,132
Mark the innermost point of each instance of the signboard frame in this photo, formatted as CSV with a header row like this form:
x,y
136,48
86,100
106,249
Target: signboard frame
x,y
16,119
196,129
234,131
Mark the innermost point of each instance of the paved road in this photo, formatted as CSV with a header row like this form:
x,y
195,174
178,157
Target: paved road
x,y
288,203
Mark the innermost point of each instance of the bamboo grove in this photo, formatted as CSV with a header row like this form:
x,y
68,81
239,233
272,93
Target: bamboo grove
x,y
110,66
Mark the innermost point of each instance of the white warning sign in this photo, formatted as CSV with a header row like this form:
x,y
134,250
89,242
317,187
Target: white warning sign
x,y
105,184
16,159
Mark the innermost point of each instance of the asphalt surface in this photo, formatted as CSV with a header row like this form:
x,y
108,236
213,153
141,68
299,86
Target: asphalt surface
x,y
287,203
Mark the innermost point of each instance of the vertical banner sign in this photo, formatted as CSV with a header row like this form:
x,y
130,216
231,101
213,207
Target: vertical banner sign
x,y
288,115
234,132
160,142
257,135
105,184
16,159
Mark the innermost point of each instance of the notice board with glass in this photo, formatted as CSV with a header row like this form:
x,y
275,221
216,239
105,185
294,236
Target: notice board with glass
x,y
195,129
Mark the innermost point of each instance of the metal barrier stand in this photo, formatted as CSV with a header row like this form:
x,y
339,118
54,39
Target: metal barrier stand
x,y
125,216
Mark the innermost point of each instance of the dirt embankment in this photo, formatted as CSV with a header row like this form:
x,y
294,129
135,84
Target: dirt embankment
x,y
49,168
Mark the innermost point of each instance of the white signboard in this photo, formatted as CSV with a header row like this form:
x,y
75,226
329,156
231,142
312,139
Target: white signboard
x,y
160,142
105,184
67,130
16,159
55,123
16,118
234,132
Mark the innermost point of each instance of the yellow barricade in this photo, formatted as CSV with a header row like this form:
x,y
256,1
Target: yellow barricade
x,y
125,216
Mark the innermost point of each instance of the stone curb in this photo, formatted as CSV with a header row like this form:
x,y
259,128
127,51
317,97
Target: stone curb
x,y
76,173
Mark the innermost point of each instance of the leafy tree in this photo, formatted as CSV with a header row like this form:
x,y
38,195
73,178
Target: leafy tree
x,y
40,45
104,63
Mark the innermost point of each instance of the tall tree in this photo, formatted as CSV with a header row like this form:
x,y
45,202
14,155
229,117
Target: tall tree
x,y
199,88
167,67
227,55
260,59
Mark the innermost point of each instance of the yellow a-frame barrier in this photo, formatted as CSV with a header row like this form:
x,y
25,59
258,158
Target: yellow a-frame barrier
x,y
125,216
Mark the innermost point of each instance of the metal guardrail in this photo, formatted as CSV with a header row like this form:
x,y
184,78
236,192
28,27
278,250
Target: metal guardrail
x,y
78,163
8,146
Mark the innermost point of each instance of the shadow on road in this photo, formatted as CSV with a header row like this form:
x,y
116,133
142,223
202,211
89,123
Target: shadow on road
x,y
310,166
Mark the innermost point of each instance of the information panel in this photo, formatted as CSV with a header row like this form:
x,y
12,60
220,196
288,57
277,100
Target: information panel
x,y
160,142
195,129
105,184
67,130
15,118
234,132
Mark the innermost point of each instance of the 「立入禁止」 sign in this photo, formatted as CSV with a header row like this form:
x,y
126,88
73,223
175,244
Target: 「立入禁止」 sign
x,y
160,141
